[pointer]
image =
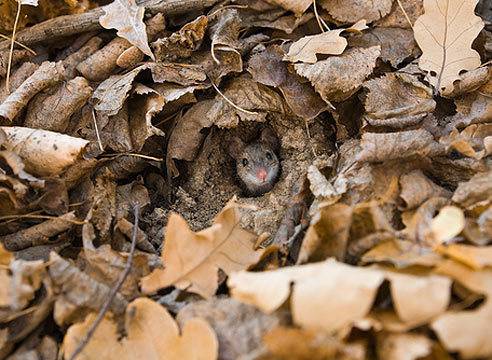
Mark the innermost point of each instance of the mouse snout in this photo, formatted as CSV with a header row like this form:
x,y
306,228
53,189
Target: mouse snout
x,y
261,174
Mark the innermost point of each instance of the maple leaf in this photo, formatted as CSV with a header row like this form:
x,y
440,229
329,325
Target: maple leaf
x,y
445,33
151,334
192,260
127,17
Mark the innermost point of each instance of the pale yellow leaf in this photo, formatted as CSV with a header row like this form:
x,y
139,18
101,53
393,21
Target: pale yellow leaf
x,y
192,259
445,33
328,43
447,224
127,17
151,333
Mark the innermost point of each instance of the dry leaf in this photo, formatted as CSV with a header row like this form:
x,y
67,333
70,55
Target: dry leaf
x,y
398,145
268,68
339,77
474,257
298,7
416,188
44,152
350,11
151,333
466,332
397,45
403,346
447,224
329,43
192,260
397,100
445,34
127,17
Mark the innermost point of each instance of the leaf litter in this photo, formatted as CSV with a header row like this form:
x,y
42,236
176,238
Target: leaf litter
x,y
373,242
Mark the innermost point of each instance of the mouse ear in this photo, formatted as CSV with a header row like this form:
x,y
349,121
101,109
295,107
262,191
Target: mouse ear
x,y
268,137
236,147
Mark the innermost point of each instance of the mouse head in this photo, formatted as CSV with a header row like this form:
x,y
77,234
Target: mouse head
x,y
257,163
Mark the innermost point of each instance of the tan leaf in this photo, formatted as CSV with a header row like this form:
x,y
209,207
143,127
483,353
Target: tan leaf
x,y
44,152
127,17
313,301
328,43
151,333
298,7
445,33
467,332
473,256
192,260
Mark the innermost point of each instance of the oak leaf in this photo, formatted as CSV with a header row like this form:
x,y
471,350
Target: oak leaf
x,y
445,33
192,259
328,43
151,334
315,301
127,17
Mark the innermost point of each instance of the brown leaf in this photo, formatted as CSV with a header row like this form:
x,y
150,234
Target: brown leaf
x,y
268,68
474,257
445,34
329,43
151,333
239,327
182,43
78,294
192,260
397,101
476,192
416,188
339,77
298,7
127,17
397,45
403,144
398,19
328,234
351,11
258,100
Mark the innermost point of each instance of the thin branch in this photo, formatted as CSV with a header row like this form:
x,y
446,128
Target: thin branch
x,y
114,290
18,43
405,13
97,131
12,43
230,101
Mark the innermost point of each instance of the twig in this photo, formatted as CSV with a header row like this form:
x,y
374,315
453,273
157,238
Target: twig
x,y
405,13
114,290
9,64
18,43
97,131
66,25
230,101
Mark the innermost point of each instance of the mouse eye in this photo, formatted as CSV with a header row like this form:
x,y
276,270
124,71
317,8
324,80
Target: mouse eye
x,y
269,155
245,162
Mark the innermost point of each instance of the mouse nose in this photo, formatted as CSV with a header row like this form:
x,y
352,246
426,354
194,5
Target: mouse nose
x,y
261,174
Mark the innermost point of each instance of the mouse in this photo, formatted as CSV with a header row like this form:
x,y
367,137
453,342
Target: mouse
x,y
257,162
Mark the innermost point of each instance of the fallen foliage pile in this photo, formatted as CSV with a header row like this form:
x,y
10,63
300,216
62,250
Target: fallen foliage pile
x,y
125,233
